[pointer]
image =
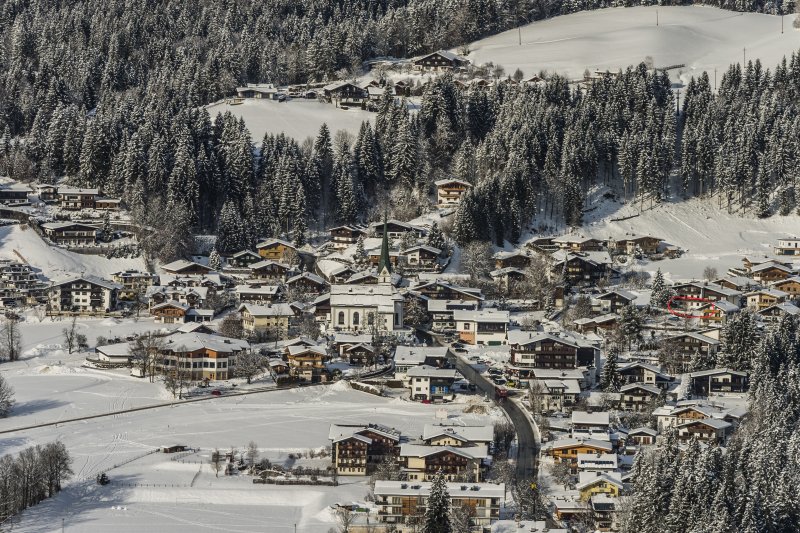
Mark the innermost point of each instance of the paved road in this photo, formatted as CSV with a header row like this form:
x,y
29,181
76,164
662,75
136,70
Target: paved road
x,y
527,450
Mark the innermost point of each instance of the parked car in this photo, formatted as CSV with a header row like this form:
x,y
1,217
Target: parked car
x,y
216,392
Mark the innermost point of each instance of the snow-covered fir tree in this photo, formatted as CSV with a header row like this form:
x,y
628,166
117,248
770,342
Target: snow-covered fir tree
x,y
437,509
214,260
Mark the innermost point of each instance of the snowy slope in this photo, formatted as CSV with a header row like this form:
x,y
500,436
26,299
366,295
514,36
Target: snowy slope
x,y
20,243
296,118
709,235
703,38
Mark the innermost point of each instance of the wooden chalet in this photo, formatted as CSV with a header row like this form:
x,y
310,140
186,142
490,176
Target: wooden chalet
x,y
645,244
423,463
307,363
345,236
274,249
243,259
169,312
545,350
182,266
357,450
450,191
269,270
344,93
70,233
718,381
439,61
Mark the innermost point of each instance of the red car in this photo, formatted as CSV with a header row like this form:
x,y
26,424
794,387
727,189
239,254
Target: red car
x,y
216,392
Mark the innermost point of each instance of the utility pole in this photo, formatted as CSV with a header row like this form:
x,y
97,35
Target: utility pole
x,y
519,34
781,23
744,57
715,79
656,17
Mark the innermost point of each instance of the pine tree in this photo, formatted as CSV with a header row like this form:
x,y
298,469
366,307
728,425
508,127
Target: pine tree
x,y
436,238
214,260
630,324
437,510
360,258
660,293
611,379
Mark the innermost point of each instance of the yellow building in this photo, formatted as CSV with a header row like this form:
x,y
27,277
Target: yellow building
x,y
568,449
271,320
594,483
274,249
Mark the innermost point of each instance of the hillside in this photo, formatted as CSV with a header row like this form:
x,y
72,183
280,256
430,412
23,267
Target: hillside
x,y
24,244
708,235
702,38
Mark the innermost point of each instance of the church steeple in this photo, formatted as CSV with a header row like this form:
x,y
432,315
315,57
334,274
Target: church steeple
x,y
385,265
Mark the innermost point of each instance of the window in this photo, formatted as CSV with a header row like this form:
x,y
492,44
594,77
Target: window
x,y
341,318
371,319
466,326
355,318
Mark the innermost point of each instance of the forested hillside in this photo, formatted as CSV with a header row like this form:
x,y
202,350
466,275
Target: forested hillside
x,y
109,94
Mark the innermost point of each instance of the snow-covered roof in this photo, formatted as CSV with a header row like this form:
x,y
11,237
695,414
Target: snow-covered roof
x,y
590,419
569,443
593,460
442,182
710,422
94,280
180,265
74,190
716,372
652,389
268,290
425,371
784,307
422,450
455,490
564,386
587,479
462,433
416,355
484,315
191,342
274,242
279,309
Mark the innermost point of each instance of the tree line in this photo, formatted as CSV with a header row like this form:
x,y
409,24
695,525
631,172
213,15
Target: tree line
x,y
749,487
33,475
111,95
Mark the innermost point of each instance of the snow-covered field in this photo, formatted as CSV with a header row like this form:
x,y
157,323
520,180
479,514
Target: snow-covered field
x,y
296,118
22,243
154,493
702,38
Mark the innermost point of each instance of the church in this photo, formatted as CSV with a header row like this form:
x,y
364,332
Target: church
x,y
368,308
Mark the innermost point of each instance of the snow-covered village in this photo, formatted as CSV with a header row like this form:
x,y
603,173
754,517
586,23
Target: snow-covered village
x,y
399,266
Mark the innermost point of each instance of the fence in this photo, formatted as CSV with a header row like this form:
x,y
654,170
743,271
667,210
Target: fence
x,y
123,463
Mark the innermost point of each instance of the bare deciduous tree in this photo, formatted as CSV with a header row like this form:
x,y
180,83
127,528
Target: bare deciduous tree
x,y
249,364
145,351
6,397
710,273
344,518
217,463
71,335
252,453
10,340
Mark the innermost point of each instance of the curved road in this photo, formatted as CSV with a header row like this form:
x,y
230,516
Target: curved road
x,y
527,449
